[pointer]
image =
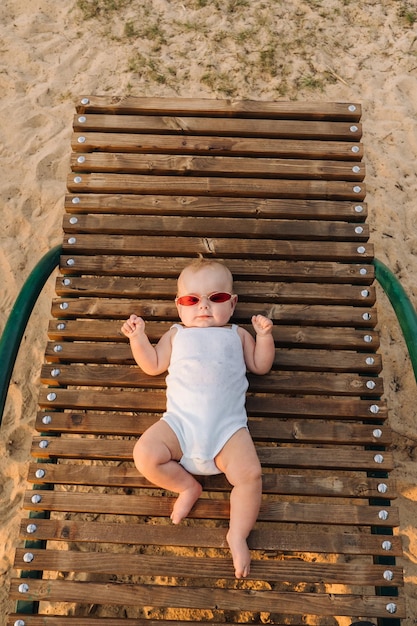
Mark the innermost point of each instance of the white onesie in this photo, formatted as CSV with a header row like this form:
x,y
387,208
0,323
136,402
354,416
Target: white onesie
x,y
206,387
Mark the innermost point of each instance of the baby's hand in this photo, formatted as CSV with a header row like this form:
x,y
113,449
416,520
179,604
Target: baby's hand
x,y
262,325
133,327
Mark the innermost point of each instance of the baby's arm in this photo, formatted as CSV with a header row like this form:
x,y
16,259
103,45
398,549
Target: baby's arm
x,y
259,354
151,359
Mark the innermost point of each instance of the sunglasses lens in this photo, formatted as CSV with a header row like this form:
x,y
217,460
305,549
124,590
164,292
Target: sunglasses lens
x,y
220,296
188,300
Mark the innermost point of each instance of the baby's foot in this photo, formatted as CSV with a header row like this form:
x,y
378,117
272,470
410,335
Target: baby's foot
x,y
240,555
185,502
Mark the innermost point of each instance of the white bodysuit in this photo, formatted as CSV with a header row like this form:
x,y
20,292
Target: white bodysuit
x,y
206,392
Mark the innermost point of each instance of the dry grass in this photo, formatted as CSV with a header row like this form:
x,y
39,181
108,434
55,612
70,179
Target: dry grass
x,y
289,46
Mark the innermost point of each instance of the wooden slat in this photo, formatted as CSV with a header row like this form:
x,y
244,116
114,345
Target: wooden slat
x,y
221,247
191,165
128,204
345,486
70,620
224,108
270,538
94,308
304,293
215,146
262,429
306,360
215,186
65,331
277,382
154,400
214,568
310,458
210,598
274,511
151,266
243,127
251,228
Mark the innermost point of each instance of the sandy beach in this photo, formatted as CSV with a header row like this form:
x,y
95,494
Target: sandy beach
x,y
54,52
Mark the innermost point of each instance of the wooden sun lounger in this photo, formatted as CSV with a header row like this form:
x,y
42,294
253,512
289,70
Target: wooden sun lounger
x,y
276,190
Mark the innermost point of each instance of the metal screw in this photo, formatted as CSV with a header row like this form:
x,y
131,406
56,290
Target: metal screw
x,y
361,249
377,433
370,384
43,444
352,108
81,159
363,271
28,557
358,208
353,129
51,396
81,139
77,179
71,262
58,348
369,360
382,488
19,622
386,545
36,498
82,119
364,293
66,282
63,306
374,408
87,101
75,200
383,515
47,419
73,220
61,326
378,458
356,188
356,169
55,372
31,528
23,588
359,230
366,316
72,240
368,339
355,149
391,607
40,473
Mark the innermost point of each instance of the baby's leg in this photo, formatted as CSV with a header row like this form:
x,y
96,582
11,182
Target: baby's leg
x,y
239,462
156,455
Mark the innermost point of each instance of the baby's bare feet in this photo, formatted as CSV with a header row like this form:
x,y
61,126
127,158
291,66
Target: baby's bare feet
x,y
240,555
185,502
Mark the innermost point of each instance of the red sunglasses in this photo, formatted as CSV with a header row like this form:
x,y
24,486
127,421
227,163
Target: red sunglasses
x,y
217,298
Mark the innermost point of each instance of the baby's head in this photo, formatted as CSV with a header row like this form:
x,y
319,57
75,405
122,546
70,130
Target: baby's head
x,y
212,283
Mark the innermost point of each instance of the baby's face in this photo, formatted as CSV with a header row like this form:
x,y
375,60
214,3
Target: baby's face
x,y
203,283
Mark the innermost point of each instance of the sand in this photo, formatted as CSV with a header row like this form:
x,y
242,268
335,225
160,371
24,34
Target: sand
x,y
53,52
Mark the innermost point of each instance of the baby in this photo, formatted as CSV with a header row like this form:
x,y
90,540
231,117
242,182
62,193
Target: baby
x,y
204,429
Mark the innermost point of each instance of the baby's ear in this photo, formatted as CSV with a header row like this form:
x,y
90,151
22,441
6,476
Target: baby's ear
x,y
234,301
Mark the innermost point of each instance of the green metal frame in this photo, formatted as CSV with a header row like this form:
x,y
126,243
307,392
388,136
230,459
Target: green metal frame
x,y
19,317
403,307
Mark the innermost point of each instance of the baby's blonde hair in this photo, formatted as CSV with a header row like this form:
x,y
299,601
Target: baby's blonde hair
x,y
201,263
